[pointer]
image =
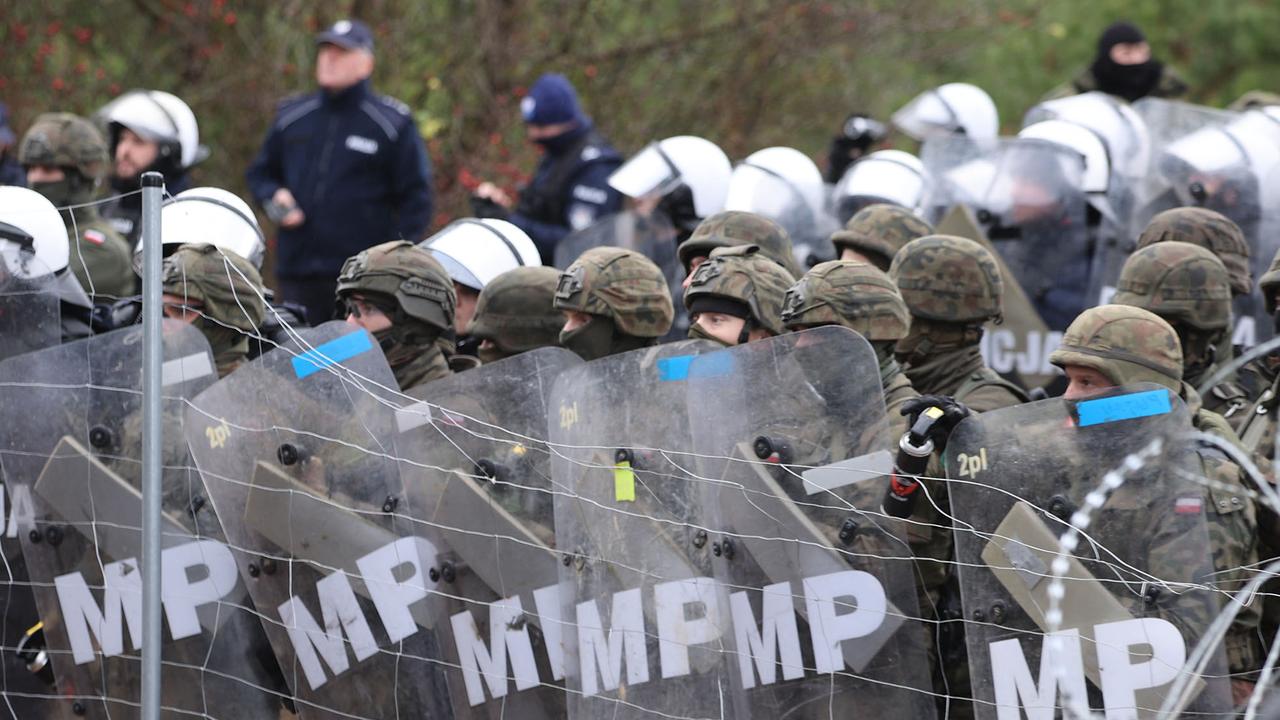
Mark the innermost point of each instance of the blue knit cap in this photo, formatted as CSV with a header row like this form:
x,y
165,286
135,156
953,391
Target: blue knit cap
x,y
551,101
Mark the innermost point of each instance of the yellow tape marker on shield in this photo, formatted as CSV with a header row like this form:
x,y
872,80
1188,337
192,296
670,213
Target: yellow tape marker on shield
x,y
624,482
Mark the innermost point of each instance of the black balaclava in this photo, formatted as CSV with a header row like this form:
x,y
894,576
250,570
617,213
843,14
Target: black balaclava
x,y
1127,81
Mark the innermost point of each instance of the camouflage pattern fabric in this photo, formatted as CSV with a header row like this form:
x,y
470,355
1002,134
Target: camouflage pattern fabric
x,y
1126,344
1182,283
100,257
853,294
1269,283
516,311
1210,230
230,290
878,232
948,279
735,227
619,284
407,275
745,274
67,141
1170,85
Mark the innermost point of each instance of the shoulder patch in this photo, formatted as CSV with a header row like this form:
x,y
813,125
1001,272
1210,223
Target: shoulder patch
x,y
589,153
394,104
589,194
95,236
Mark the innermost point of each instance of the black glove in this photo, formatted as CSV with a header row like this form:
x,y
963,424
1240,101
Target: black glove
x,y
856,137
483,207
932,418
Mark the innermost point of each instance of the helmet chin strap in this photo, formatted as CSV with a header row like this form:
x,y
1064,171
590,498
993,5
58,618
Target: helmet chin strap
x,y
744,335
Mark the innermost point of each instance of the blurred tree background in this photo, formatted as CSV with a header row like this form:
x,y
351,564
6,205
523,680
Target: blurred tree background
x,y
746,74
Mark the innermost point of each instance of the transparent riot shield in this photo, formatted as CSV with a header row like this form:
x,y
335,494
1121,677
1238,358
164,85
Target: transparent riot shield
x,y
1233,169
477,475
1167,121
651,235
793,454
758,190
296,452
645,630
1138,591
950,186
1018,346
72,460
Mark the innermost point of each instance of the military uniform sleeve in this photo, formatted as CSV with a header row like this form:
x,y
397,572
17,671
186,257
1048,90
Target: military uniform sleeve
x,y
411,184
265,174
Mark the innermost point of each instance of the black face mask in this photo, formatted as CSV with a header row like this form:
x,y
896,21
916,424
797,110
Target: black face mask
x,y
1130,82
591,341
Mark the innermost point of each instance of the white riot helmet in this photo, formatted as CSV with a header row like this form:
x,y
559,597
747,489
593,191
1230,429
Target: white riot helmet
x,y
1251,141
161,118
782,184
210,216
33,237
885,176
951,109
474,251
684,161
1097,167
1121,129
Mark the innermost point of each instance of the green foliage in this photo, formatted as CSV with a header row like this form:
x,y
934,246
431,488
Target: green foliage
x,y
744,73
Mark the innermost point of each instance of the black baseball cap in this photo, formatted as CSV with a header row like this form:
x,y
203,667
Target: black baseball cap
x,y
349,34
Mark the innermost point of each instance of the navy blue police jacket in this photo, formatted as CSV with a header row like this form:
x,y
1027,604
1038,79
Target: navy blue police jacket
x,y
358,169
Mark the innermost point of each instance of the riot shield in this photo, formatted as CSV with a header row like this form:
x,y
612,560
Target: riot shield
x,y
1018,347
1119,127
72,459
651,235
758,190
941,157
1233,169
295,450
477,475
1138,589
792,447
645,624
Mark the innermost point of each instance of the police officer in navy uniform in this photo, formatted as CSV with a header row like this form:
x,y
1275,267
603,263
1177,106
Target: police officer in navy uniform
x,y
570,189
342,169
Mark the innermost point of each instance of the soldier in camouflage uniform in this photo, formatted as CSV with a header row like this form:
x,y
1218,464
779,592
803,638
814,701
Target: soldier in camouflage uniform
x,y
404,296
1189,288
66,158
1220,235
218,293
614,300
1115,345
877,232
952,287
516,313
862,298
736,296
735,227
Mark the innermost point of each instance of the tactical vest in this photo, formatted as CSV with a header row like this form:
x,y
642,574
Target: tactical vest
x,y
544,201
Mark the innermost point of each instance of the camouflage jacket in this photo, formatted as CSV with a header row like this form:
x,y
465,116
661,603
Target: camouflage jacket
x,y
100,256
1171,85
961,373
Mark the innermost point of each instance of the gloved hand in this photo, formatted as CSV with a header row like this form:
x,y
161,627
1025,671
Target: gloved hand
x,y
483,207
857,135
932,418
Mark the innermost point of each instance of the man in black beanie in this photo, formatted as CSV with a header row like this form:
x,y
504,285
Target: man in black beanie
x,y
1125,68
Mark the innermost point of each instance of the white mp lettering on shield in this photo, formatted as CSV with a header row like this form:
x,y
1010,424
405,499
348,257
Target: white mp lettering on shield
x,y
824,598
1017,692
759,644
676,634
596,650
21,511
340,613
509,638
182,597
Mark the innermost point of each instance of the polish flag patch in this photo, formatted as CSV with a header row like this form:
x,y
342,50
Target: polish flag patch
x,y
1187,505
95,236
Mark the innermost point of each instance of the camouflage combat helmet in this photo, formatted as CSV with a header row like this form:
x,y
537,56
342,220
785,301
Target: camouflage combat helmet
x,y
1210,230
879,231
735,227
1126,344
1182,283
619,284
853,294
67,141
1269,283
227,285
516,310
742,274
948,279
399,272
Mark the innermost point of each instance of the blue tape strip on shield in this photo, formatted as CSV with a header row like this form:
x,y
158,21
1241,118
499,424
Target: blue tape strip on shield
x,y
683,367
1123,407
331,353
